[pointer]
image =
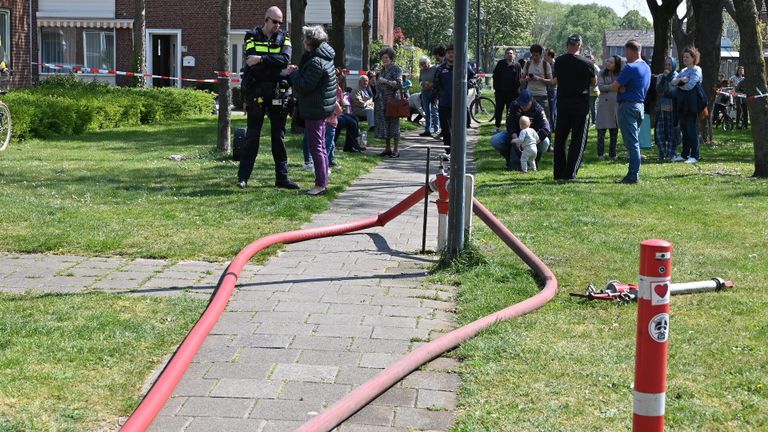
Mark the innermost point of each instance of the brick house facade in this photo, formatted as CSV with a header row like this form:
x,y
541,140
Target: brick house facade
x,y
181,37
17,39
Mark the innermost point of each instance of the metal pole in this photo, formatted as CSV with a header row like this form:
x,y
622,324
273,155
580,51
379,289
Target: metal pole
x,y
426,204
458,131
477,45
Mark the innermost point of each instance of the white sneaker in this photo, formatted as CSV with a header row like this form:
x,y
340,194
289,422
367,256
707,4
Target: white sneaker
x,y
677,158
691,160
309,165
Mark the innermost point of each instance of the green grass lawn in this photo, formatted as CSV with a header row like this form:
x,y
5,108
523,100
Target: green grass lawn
x,y
570,366
116,192
76,362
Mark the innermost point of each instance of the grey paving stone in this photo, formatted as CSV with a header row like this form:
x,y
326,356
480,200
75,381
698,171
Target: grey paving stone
x,y
281,425
335,319
267,356
314,392
216,407
397,396
343,330
321,343
193,387
355,375
340,308
393,346
443,364
169,424
373,415
436,399
253,370
115,284
379,360
263,341
81,282
246,388
329,358
288,296
399,333
286,410
436,324
301,307
441,305
388,321
172,406
284,328
375,291
212,424
303,372
424,419
432,381
157,282
370,428
104,263
250,305
412,292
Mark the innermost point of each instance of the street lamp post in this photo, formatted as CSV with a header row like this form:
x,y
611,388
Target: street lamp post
x,y
477,45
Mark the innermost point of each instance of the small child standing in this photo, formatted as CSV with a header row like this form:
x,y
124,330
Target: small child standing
x,y
526,142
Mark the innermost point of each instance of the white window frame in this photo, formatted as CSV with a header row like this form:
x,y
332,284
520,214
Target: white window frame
x,y
236,37
157,31
7,46
114,48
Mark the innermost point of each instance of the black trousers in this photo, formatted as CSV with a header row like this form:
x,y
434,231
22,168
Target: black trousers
x,y
277,116
572,121
445,113
502,102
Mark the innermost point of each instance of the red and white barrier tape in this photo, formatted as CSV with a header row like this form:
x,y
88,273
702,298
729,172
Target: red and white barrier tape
x,y
83,69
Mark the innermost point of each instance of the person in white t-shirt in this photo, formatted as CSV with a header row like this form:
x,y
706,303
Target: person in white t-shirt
x,y
526,142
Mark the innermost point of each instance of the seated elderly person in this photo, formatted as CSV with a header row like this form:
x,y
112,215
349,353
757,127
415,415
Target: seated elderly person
x,y
524,105
362,102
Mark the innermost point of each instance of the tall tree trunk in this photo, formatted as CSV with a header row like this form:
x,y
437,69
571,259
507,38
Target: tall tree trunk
x,y
298,12
225,92
684,31
367,34
338,19
751,57
139,43
662,15
709,24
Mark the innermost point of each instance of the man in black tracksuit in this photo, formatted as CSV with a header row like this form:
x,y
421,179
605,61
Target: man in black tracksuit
x,y
267,53
574,74
506,84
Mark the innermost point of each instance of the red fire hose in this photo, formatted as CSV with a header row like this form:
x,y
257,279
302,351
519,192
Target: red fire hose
x,y
390,376
154,400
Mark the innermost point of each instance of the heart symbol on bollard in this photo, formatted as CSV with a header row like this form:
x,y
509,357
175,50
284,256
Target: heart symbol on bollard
x,y
661,290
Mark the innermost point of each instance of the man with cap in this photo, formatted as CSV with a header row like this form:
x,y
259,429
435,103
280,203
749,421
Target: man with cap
x,y
524,105
632,87
442,89
574,75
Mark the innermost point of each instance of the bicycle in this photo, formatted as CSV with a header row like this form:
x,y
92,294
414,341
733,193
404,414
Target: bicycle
x,y
724,114
5,112
482,109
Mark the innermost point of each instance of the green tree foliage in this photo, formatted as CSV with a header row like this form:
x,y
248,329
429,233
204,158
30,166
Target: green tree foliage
x,y
426,23
632,20
549,17
590,21
503,23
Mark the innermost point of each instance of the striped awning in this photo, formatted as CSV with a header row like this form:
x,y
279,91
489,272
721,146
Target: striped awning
x,y
85,23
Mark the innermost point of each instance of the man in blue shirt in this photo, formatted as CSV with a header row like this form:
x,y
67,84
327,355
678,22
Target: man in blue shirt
x,y
442,89
632,86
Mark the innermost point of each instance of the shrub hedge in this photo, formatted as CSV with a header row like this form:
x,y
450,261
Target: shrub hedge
x,y
65,105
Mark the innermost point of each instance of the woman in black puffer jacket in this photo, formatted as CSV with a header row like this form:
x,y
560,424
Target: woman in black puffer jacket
x,y
314,83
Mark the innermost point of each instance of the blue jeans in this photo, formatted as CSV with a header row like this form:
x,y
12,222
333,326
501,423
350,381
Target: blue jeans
x,y
690,136
630,119
431,117
502,144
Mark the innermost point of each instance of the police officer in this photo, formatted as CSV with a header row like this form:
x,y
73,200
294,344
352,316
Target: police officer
x,y
267,53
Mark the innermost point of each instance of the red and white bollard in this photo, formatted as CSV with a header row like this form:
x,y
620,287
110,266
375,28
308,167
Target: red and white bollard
x,y
652,336
441,184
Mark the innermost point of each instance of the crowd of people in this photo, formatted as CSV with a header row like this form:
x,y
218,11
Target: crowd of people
x,y
562,96
550,103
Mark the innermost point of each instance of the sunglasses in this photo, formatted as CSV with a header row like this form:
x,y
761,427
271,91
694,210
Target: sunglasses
x,y
274,21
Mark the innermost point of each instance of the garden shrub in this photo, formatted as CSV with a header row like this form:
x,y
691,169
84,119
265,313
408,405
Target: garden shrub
x,y
65,105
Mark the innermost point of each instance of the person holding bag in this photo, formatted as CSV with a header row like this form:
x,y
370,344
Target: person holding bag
x,y
688,110
389,83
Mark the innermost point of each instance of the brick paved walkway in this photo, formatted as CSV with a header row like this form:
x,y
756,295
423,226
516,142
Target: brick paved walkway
x,y
307,327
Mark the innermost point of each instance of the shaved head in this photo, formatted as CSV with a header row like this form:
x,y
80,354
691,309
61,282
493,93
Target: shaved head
x,y
273,12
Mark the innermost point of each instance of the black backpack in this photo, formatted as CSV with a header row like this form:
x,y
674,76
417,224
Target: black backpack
x,y
238,143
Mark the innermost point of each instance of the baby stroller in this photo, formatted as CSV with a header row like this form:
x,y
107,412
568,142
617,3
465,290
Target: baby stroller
x,y
724,114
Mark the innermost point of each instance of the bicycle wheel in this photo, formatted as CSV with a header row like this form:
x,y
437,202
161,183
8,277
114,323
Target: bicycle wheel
x,y
482,110
5,126
727,123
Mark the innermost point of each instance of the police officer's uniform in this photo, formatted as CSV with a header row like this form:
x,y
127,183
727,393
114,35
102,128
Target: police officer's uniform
x,y
265,94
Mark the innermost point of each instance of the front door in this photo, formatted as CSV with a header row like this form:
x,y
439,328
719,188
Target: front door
x,y
162,60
